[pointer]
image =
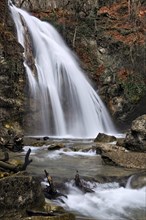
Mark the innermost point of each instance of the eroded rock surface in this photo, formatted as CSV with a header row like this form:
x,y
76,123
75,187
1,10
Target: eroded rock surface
x,y
136,137
20,191
12,76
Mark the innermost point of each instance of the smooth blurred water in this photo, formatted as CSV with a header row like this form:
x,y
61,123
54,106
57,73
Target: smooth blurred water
x,y
63,99
108,202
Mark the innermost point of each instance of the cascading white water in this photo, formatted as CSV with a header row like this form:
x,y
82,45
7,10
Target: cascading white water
x,y
68,105
108,202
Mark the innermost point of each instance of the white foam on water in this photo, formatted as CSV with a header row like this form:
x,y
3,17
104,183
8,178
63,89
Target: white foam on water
x,y
109,202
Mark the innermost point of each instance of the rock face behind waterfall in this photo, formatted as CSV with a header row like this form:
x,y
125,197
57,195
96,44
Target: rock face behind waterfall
x,y
136,137
11,74
109,38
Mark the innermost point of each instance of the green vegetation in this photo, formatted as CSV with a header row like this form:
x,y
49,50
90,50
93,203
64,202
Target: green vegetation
x,y
134,87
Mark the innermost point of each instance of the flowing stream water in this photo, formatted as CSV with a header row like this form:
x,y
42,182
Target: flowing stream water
x,y
68,106
109,201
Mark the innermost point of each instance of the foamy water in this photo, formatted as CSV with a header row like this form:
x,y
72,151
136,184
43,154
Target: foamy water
x,y
109,202
55,154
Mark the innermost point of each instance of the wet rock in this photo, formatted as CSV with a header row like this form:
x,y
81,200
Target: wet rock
x,y
18,143
98,150
138,180
107,147
120,142
108,160
56,146
81,184
135,139
82,148
119,158
104,138
46,138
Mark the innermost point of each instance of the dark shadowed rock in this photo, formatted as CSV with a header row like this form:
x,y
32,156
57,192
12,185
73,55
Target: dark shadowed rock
x,y
136,137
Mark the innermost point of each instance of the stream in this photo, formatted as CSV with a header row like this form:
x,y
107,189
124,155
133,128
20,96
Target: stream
x,y
108,202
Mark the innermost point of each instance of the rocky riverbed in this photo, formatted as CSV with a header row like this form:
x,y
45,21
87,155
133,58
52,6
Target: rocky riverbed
x,y
105,160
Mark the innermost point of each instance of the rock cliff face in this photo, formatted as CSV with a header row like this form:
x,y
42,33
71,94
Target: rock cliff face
x,y
12,77
109,38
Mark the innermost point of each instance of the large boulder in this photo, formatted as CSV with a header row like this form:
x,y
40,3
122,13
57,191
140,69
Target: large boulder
x,y
135,139
20,192
21,197
134,160
105,138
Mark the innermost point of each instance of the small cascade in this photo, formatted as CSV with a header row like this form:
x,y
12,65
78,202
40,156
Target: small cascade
x,y
63,99
128,184
109,201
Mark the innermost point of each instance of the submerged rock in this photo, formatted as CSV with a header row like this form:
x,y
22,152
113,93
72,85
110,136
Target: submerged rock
x,y
56,146
138,180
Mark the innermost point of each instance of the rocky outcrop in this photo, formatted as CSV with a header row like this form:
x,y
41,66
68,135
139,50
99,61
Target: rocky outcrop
x,y
128,152
22,197
120,158
136,137
121,41
20,192
12,76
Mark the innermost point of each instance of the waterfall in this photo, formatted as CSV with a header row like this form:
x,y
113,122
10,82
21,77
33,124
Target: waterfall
x,y
66,103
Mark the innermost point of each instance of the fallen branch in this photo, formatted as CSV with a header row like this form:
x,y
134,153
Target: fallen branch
x,y
27,161
50,191
79,184
5,165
